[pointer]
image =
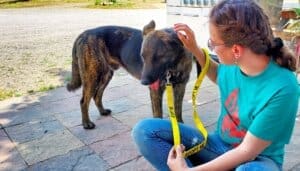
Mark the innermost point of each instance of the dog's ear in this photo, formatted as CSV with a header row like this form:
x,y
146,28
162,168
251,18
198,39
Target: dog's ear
x,y
148,28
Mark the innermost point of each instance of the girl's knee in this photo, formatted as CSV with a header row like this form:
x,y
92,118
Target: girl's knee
x,y
142,129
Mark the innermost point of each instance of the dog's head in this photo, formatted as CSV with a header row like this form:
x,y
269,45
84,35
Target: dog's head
x,y
161,51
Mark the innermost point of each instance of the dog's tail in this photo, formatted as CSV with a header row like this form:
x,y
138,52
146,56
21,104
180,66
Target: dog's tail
x,y
75,82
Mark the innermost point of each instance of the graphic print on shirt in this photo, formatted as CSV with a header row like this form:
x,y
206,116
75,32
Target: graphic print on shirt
x,y
231,128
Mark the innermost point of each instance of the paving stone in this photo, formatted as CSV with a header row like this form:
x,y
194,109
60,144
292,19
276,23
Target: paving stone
x,y
205,95
13,162
105,127
121,105
50,145
132,87
33,130
116,150
205,83
5,146
10,159
58,95
208,114
121,78
78,159
73,118
139,164
18,103
65,105
131,117
114,93
295,168
142,96
23,115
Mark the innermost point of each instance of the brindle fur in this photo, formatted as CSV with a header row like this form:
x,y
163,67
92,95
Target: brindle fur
x,y
98,52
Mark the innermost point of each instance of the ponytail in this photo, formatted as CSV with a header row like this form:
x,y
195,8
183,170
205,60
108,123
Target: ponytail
x,y
281,54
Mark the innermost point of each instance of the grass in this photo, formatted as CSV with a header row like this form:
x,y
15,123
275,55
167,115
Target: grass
x,y
103,4
5,94
44,88
128,4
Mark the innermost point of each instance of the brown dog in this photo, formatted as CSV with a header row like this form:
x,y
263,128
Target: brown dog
x,y
147,55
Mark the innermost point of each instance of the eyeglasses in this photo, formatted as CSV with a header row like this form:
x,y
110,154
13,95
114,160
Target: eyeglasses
x,y
211,46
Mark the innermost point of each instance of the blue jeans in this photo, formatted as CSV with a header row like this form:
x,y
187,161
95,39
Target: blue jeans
x,y
154,140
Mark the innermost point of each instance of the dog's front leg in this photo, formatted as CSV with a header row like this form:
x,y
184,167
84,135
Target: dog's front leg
x,y
156,101
179,90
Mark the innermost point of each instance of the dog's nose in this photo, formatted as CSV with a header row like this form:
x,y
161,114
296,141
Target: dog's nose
x,y
145,81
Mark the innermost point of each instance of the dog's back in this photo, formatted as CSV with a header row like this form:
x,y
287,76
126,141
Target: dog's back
x,y
106,48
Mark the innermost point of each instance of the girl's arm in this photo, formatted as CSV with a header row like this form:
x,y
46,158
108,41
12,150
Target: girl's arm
x,y
248,150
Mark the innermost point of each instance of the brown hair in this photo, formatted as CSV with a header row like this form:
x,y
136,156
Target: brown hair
x,y
243,22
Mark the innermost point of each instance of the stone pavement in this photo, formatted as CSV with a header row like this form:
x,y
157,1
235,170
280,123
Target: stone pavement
x,y
44,132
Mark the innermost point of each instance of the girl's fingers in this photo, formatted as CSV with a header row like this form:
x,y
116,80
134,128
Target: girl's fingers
x,y
181,36
179,151
172,153
186,31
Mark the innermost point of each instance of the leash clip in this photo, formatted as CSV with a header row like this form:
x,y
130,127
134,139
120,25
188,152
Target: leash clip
x,y
168,77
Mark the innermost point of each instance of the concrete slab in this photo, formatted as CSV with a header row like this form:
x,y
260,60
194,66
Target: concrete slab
x,y
17,116
73,118
105,128
116,150
131,117
136,164
10,159
50,145
82,158
33,130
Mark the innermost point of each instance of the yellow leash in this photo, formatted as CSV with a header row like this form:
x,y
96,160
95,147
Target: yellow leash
x,y
197,120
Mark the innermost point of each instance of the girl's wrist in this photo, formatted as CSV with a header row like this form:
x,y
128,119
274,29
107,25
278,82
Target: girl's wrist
x,y
198,52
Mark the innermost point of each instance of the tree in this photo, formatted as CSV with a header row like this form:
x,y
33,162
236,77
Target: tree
x,y
272,8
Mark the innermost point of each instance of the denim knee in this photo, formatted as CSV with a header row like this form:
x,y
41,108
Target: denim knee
x,y
140,130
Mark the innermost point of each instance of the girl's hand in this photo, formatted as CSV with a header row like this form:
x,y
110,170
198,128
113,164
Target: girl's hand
x,y
187,37
176,160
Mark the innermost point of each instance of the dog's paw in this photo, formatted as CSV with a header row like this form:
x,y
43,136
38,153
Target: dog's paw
x,y
106,112
88,125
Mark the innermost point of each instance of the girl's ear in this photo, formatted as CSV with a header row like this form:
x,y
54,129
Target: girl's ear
x,y
237,50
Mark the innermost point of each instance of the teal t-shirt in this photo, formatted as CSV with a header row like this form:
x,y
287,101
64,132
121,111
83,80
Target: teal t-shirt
x,y
266,105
